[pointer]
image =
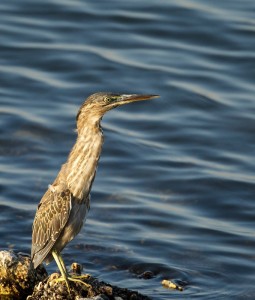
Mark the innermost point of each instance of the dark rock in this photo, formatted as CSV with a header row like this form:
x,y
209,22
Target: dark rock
x,y
146,275
98,290
17,275
19,280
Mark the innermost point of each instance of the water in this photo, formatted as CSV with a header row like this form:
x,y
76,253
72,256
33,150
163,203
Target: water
x,y
174,192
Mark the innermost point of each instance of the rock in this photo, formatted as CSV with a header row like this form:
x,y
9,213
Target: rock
x,y
17,275
19,280
99,297
98,290
146,275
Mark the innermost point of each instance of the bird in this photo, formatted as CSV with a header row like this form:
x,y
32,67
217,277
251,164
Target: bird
x,y
63,208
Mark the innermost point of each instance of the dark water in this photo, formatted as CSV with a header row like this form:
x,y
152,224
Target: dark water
x,y
174,192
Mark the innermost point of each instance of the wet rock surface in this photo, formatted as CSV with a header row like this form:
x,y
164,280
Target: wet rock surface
x,y
19,280
98,290
17,275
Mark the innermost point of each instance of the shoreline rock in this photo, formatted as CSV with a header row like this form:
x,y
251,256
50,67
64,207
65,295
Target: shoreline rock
x,y
19,280
17,276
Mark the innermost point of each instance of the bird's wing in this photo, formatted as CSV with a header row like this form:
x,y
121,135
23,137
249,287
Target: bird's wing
x,y
50,219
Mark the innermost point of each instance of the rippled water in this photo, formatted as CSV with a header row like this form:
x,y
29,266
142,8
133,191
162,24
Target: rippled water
x,y
174,192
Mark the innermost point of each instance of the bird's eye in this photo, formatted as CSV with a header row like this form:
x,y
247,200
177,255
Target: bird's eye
x,y
107,100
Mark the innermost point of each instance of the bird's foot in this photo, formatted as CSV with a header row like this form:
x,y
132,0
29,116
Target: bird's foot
x,y
55,278
76,275
80,279
75,278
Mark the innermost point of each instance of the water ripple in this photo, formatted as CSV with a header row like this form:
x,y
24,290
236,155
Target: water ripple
x,y
174,188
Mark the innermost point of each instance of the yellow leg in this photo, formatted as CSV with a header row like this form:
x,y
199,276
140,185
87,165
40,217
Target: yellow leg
x,y
61,265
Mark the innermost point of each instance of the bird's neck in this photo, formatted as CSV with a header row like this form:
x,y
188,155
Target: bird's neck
x,y
80,168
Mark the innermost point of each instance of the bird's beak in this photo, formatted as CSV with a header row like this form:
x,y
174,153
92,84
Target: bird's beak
x,y
123,99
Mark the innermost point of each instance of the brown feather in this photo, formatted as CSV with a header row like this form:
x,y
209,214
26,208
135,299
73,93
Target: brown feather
x,y
51,217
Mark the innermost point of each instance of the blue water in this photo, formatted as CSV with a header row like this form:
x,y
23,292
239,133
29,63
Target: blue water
x,y
174,192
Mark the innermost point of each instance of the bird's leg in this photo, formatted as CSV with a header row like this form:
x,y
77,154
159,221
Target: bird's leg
x,y
61,265
77,278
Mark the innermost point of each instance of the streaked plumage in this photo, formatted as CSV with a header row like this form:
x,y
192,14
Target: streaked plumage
x,y
63,208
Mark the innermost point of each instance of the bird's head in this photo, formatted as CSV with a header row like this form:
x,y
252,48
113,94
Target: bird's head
x,y
96,105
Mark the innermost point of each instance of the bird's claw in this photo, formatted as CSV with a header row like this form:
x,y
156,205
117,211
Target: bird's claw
x,y
75,278
80,279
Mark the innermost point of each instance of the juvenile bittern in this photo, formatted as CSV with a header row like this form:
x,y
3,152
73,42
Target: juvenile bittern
x,y
63,208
